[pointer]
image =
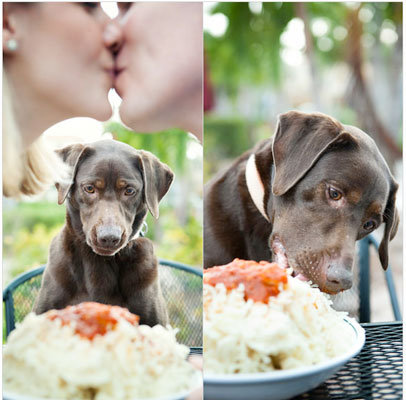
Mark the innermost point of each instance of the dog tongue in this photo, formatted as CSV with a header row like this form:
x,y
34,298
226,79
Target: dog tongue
x,y
301,277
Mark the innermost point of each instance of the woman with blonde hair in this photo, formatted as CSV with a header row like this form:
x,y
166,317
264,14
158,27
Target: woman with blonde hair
x,y
57,64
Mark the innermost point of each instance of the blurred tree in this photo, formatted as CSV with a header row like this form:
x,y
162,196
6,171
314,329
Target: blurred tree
x,y
169,146
358,93
249,53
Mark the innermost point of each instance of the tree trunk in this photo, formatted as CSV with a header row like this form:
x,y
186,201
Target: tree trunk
x,y
358,96
301,12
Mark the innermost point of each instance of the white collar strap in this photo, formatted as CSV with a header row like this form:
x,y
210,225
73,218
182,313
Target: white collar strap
x,y
142,231
255,185
136,235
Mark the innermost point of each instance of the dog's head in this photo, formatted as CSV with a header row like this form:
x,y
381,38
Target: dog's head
x,y
112,188
325,186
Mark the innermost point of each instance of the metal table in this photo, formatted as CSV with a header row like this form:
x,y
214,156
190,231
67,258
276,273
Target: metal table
x,y
376,373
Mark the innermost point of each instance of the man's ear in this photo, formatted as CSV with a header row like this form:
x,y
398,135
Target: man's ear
x,y
72,155
157,178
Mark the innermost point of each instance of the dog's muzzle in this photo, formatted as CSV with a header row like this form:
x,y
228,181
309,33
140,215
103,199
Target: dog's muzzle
x,y
339,276
108,239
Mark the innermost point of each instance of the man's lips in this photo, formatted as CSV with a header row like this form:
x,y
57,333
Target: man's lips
x,y
118,70
117,74
113,72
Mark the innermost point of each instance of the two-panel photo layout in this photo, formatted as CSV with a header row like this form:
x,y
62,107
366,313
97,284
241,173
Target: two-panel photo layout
x,y
202,200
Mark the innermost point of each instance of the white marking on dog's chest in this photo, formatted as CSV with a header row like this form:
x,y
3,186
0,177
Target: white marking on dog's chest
x,y
255,185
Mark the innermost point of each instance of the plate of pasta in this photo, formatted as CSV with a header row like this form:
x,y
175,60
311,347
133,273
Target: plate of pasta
x,y
91,351
268,335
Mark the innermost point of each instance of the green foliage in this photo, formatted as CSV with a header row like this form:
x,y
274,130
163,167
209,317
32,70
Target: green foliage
x,y
28,229
28,248
169,146
232,135
29,214
249,51
227,138
347,114
179,243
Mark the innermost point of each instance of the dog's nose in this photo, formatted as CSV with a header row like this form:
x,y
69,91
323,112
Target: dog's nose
x,y
108,236
339,276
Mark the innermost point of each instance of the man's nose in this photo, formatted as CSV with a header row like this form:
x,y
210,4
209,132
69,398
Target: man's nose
x,y
113,36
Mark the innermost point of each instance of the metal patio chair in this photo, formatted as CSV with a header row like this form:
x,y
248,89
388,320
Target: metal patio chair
x,y
181,287
364,281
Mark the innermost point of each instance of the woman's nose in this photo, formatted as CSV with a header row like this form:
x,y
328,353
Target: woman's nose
x,y
113,37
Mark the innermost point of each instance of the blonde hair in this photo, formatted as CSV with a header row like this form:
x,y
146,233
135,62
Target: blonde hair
x,y
27,171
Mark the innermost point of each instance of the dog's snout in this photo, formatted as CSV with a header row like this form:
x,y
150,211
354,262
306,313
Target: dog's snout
x,y
339,276
108,236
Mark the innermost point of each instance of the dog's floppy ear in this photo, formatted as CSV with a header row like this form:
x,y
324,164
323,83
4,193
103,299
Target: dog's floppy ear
x,y
157,178
71,155
299,141
391,220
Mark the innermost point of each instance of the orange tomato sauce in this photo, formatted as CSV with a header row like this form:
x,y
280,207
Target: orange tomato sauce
x,y
91,319
261,280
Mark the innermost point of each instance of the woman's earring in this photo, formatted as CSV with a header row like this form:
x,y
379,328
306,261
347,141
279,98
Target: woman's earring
x,y
12,44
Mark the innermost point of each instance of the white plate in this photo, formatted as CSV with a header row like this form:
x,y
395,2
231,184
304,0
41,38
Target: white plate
x,y
196,380
12,396
279,385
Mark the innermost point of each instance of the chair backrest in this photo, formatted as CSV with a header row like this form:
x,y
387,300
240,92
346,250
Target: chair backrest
x,y
365,281
181,287
19,297
357,300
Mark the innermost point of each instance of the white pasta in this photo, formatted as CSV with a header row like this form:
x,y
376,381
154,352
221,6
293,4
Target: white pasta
x,y
296,328
45,359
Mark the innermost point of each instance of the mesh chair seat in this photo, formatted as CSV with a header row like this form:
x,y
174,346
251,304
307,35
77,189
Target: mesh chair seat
x,y
181,288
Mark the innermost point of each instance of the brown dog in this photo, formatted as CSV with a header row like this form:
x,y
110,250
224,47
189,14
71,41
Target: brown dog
x,y
98,255
304,198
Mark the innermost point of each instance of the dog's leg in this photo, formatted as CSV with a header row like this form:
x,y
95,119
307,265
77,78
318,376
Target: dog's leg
x,y
51,295
139,270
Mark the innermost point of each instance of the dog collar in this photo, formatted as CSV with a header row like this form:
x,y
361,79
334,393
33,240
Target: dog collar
x,y
255,185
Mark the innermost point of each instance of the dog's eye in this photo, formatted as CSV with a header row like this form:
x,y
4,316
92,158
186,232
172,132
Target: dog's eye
x,y
334,194
369,225
129,191
89,188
